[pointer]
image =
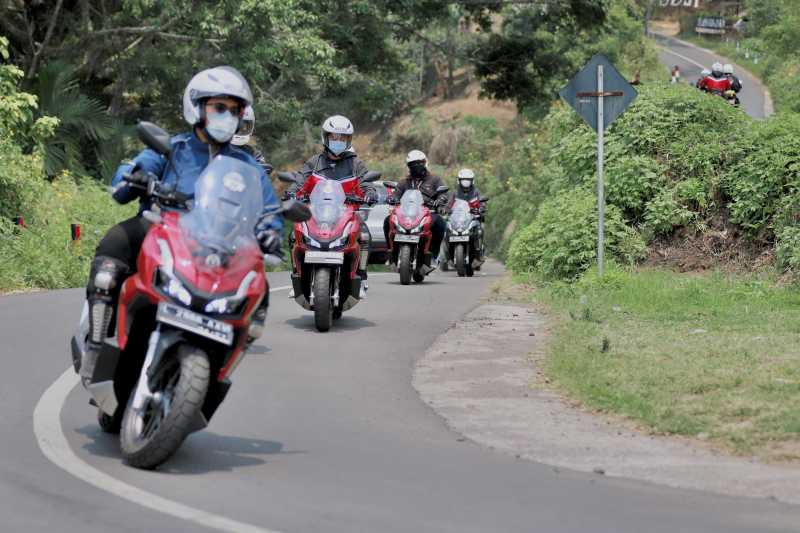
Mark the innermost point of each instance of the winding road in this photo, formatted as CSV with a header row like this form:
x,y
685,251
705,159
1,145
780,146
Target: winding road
x,y
320,433
692,59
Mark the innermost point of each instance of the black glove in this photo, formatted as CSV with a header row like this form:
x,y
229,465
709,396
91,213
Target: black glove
x,y
269,239
141,178
371,197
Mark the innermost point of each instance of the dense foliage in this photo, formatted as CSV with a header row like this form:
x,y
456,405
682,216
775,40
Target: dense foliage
x,y
677,159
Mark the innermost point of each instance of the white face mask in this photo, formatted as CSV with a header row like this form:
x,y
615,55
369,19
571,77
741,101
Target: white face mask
x,y
221,127
466,183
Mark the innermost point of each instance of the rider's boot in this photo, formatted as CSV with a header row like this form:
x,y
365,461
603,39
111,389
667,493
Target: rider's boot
x,y
105,278
363,260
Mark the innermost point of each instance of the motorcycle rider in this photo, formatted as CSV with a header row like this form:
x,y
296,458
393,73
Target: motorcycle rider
x,y
338,161
736,83
420,178
213,105
243,135
705,72
467,190
716,82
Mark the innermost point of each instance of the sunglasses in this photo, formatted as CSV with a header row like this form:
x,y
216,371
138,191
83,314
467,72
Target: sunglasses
x,y
220,108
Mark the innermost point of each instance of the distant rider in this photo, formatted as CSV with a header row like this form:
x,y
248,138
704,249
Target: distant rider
x,y
213,104
420,178
716,83
736,83
338,161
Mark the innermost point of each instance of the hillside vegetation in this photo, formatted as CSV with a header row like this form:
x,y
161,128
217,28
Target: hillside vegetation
x,y
679,164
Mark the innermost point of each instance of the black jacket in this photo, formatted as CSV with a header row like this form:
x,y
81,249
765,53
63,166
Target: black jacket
x,y
461,194
336,169
427,186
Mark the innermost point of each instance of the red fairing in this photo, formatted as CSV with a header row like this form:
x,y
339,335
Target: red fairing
x,y
711,84
221,280
475,203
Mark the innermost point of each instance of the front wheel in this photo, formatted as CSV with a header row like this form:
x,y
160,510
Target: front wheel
x,y
150,435
404,264
323,303
458,259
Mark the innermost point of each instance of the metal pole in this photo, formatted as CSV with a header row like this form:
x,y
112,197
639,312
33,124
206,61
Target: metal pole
x,y
601,199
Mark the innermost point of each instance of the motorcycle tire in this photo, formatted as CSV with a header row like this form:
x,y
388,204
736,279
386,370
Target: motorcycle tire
x,y
188,387
404,264
323,303
110,424
458,259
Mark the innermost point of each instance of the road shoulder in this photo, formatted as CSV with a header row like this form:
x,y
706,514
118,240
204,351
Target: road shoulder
x,y
483,377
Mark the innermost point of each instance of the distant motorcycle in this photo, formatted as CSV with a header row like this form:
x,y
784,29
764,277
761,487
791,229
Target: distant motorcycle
x,y
410,233
464,238
326,251
184,318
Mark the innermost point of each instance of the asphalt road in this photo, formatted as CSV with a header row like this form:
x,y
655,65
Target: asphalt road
x,y
691,60
320,433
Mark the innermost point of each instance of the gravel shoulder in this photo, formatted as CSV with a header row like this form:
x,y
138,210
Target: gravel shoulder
x,y
483,377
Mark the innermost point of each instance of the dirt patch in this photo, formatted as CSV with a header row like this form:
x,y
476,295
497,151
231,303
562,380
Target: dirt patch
x,y
483,377
723,249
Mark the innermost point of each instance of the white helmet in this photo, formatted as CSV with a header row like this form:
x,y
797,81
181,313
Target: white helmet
x,y
466,178
217,81
416,155
339,125
705,72
716,67
246,127
727,68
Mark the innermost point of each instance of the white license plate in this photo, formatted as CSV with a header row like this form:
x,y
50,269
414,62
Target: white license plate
x,y
325,258
406,238
195,323
459,238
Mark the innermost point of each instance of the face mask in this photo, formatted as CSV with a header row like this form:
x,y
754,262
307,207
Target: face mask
x,y
417,171
221,127
337,147
466,183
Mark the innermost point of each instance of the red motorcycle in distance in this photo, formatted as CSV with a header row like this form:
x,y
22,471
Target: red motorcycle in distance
x,y
326,251
410,234
183,319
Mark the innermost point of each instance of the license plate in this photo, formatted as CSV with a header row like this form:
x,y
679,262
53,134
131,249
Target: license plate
x,y
195,323
459,238
406,238
325,258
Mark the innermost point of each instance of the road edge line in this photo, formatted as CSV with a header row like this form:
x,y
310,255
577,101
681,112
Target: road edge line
x,y
54,445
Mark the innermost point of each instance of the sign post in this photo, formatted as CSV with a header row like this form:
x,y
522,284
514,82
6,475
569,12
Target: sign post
x,y
587,93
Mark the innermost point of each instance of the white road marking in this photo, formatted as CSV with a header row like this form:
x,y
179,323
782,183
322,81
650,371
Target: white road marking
x,y
54,445
689,59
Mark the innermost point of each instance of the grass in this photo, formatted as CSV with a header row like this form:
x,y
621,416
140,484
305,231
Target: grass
x,y
713,356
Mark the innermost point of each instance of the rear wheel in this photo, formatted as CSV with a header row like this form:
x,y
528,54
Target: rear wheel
x,y
458,259
404,264
323,303
150,435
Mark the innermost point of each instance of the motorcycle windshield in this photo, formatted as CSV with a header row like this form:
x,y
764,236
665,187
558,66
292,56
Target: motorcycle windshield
x,y
411,204
327,202
227,204
460,214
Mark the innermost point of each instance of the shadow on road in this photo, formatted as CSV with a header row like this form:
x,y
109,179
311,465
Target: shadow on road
x,y
200,453
346,323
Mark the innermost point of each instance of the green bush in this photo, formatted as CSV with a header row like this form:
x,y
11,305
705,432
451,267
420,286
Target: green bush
x,y
561,241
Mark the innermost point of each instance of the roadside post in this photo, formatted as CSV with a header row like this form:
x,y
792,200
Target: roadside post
x,y
599,94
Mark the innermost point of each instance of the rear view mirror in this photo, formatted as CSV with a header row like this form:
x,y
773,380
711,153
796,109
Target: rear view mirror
x,y
154,137
442,188
390,184
287,177
372,175
484,199
295,211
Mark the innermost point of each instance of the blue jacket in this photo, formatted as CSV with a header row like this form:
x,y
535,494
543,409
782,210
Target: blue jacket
x,y
190,156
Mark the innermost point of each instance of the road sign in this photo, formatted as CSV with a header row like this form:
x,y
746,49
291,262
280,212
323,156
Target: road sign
x,y
582,92
599,94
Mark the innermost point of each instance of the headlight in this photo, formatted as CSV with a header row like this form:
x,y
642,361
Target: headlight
x,y
173,287
308,239
225,306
